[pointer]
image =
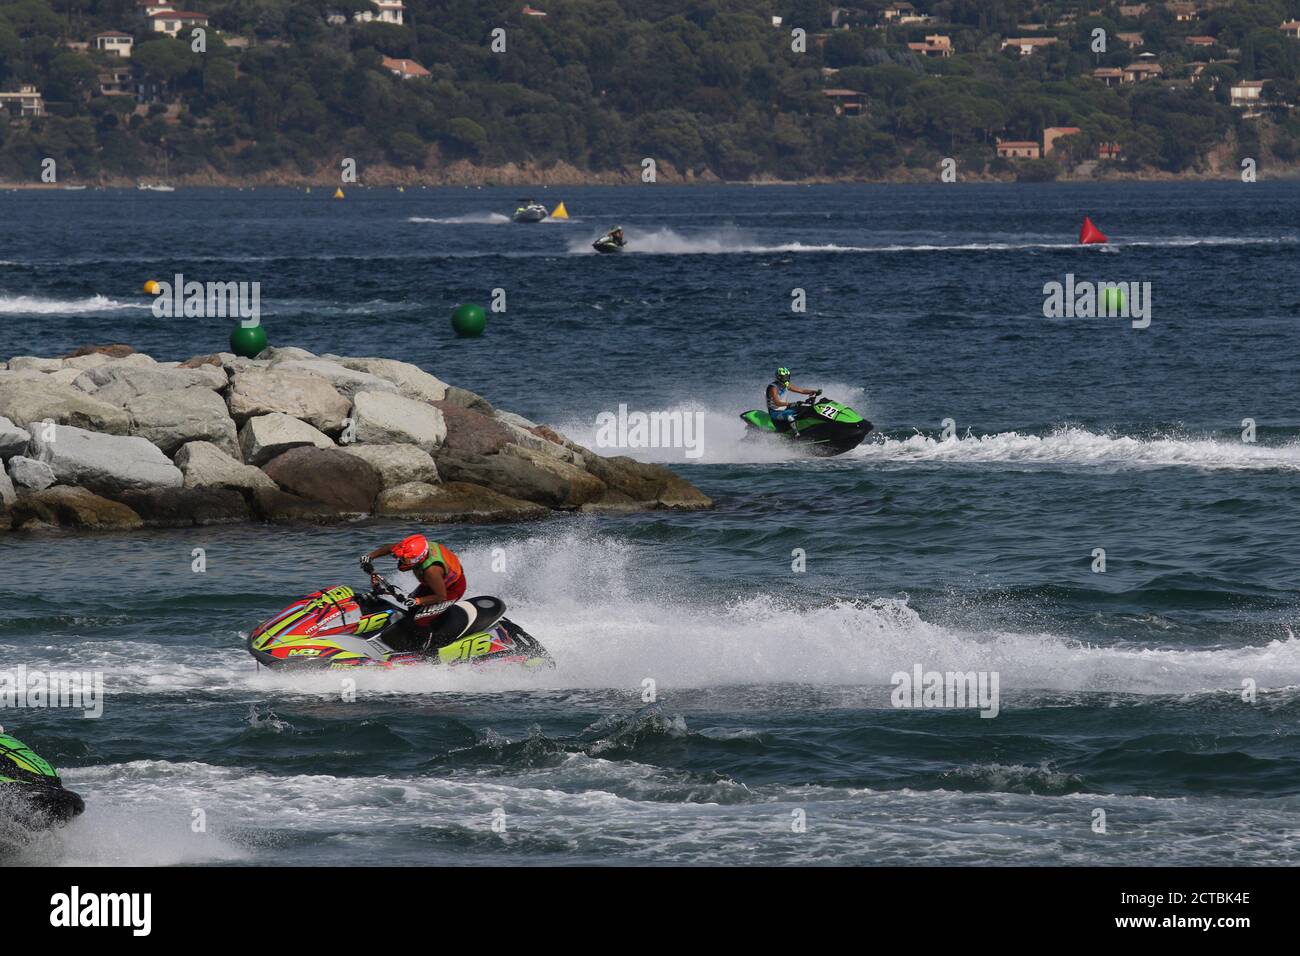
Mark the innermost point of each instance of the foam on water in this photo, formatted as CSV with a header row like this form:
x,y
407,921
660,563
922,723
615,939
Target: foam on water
x,y
467,219
35,305
733,240
609,625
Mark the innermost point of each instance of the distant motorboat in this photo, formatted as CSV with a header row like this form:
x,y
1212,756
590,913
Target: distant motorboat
x,y
156,187
74,188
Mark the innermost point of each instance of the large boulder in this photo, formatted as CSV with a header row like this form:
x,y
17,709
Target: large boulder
x,y
114,351
331,476
472,432
108,464
37,401
34,363
411,380
652,486
302,395
8,494
204,465
170,419
454,501
30,474
381,418
13,440
276,505
119,382
397,464
72,507
281,353
264,437
187,507
467,399
345,380
541,439
525,474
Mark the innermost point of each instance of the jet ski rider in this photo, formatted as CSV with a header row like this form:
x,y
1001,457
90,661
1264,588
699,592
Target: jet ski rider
x,y
437,568
779,410
615,236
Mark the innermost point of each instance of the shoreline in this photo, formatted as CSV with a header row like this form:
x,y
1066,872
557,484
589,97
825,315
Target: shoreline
x,y
511,176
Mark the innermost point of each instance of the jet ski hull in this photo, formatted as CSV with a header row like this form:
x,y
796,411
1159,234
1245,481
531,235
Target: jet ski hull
x,y
824,428
31,793
338,629
607,247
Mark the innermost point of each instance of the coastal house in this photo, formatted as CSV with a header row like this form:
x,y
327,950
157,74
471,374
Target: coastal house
x,y
1131,40
1291,28
1052,133
1182,11
847,102
1143,71
114,42
1108,151
1200,41
1110,75
116,81
172,22
1246,94
1025,46
1017,149
386,11
897,11
1132,10
405,69
532,12
26,101
147,8
936,44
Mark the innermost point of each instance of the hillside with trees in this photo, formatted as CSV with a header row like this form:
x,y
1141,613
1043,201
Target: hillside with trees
x,y
284,90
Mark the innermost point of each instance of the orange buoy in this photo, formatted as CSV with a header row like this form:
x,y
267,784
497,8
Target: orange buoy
x,y
1089,234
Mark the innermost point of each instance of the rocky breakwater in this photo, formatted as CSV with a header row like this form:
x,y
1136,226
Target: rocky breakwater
x,y
108,438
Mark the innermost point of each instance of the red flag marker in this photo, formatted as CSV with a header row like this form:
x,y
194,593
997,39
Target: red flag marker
x,y
1088,233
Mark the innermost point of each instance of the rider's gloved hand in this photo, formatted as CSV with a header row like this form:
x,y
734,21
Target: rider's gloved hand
x,y
367,565
411,604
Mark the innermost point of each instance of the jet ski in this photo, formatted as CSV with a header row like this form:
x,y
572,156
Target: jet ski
x,y
530,210
825,426
340,628
611,241
31,793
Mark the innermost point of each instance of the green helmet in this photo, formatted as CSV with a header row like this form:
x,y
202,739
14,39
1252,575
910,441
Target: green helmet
x,y
783,374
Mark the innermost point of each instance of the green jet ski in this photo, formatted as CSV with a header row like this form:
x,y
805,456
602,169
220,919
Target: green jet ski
x,y
611,241
31,793
825,426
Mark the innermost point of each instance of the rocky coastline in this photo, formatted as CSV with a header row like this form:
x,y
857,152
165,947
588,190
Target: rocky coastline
x,y
110,439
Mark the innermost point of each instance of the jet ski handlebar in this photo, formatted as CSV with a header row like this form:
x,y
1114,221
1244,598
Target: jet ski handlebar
x,y
396,596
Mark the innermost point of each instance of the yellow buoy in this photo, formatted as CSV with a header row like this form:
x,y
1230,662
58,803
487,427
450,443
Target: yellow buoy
x,y
151,288
338,193
308,189
560,212
401,189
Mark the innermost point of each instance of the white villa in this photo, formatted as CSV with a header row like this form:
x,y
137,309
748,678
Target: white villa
x,y
115,42
172,22
389,11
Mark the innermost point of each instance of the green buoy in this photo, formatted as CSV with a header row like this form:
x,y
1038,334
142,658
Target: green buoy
x,y
248,342
469,320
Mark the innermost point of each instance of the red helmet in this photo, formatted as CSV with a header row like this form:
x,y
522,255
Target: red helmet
x,y
411,551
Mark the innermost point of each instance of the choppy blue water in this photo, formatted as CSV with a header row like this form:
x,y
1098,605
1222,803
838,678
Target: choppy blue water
x,y
1120,691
